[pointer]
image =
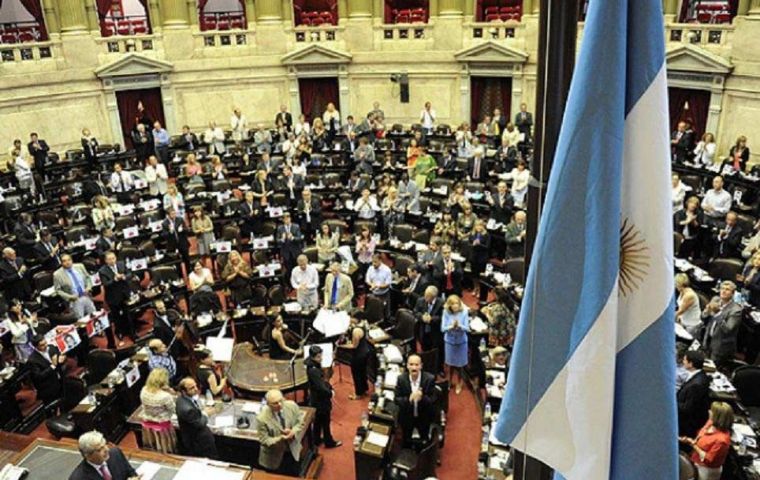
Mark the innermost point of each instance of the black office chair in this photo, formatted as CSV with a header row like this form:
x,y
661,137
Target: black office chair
x,y
403,331
403,232
146,218
401,264
259,296
746,379
165,274
220,186
421,235
194,188
429,361
276,296
148,248
677,241
686,468
411,465
374,309
312,254
100,362
203,301
515,267
231,233
74,390
725,268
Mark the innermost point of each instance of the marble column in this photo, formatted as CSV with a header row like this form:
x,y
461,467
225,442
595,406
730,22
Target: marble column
x,y
754,8
287,10
173,14
93,21
73,16
51,16
269,10
360,8
670,7
450,7
250,12
155,15
342,10
527,6
192,11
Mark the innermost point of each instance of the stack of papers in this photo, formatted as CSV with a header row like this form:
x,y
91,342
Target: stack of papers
x,y
377,439
194,470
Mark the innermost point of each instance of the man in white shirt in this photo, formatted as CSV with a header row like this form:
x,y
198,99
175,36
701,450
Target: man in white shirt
x,y
379,278
121,181
214,137
239,126
157,177
716,203
428,118
366,206
305,280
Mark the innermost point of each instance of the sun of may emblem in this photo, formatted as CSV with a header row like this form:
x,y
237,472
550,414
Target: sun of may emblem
x,y
634,258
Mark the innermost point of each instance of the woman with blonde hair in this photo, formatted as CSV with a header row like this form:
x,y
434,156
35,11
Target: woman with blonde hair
x,y
237,274
102,213
192,167
455,324
203,228
158,409
174,199
710,448
327,243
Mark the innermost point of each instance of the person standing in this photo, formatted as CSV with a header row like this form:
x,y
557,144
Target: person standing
x,y
118,290
289,238
174,231
693,398
455,324
361,349
279,424
713,442
723,317
379,278
305,281
38,149
46,364
161,142
73,284
429,310
320,397
415,396
338,289
239,126
157,177
197,438
428,118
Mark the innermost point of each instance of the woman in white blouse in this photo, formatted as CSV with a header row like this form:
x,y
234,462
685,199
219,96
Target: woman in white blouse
x,y
201,278
175,200
102,213
704,153
21,324
520,176
688,313
678,192
302,126
331,117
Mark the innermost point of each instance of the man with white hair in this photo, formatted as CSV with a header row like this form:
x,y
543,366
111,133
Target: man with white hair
x,y
262,139
239,125
101,462
305,280
279,424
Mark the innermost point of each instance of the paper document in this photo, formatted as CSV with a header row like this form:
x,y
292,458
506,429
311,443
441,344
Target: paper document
x,y
194,470
377,439
331,323
327,353
224,421
148,470
221,348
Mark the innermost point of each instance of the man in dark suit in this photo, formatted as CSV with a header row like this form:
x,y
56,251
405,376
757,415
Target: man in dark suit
x,y
447,273
414,284
284,116
115,279
524,120
310,213
163,323
38,149
290,240
694,395
47,251
728,243
15,276
681,142
320,397
428,310
250,213
46,366
448,164
26,235
101,462
499,120
502,204
291,185
197,438
477,167
723,317
175,233
106,242
92,186
355,184
268,164
415,395
187,140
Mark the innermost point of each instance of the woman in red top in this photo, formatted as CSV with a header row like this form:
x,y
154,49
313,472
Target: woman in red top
x,y
710,448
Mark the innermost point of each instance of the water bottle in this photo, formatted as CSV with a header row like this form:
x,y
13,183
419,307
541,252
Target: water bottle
x,y
209,397
487,412
482,344
365,419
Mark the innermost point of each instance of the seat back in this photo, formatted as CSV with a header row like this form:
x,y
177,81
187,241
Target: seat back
x,y
430,361
686,468
259,296
725,268
74,390
403,232
515,267
402,264
747,382
374,309
42,280
276,296
148,248
312,254
164,273
405,323
100,362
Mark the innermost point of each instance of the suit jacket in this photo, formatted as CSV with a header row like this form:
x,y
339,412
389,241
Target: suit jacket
x,y
117,463
193,429
90,148
356,187
103,245
92,187
161,330
731,246
282,185
440,277
693,404
26,237
320,390
425,407
292,246
40,154
502,210
188,142
14,284
45,377
419,289
245,210
682,148
63,285
117,291
315,212
524,122
432,329
287,119
482,173
269,431
42,254
176,239
345,291
721,332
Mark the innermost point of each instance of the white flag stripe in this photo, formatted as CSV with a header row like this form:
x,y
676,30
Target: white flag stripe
x,y
645,196
570,427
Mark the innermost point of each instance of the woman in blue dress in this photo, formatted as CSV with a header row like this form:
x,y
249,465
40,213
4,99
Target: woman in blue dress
x,y
455,324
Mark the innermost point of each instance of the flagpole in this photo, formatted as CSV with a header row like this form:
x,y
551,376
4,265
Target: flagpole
x,y
558,29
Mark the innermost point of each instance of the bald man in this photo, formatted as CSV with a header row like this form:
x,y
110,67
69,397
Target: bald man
x,y
304,279
279,424
515,235
197,438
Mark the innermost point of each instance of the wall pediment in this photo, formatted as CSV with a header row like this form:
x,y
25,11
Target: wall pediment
x,y
133,64
490,53
689,58
316,55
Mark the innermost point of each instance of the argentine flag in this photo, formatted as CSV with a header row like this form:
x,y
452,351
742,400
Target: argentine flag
x,y
591,385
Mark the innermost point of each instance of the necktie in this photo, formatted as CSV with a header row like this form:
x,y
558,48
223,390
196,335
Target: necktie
x,y
121,182
334,297
77,283
281,419
105,473
476,174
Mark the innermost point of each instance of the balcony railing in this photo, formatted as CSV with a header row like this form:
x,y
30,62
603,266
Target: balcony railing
x,y
21,32
699,34
228,38
212,21
22,52
128,25
495,30
322,33
128,44
407,31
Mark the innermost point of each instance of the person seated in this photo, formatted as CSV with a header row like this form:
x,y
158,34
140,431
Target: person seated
x,y
158,409
279,423
278,346
693,398
46,364
200,279
414,284
209,379
101,462
712,443
415,396
728,241
163,322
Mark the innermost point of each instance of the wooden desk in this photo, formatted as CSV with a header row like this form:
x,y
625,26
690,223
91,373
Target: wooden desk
x,y
252,373
369,459
241,446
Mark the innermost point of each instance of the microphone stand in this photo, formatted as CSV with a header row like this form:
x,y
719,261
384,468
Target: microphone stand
x,y
295,355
